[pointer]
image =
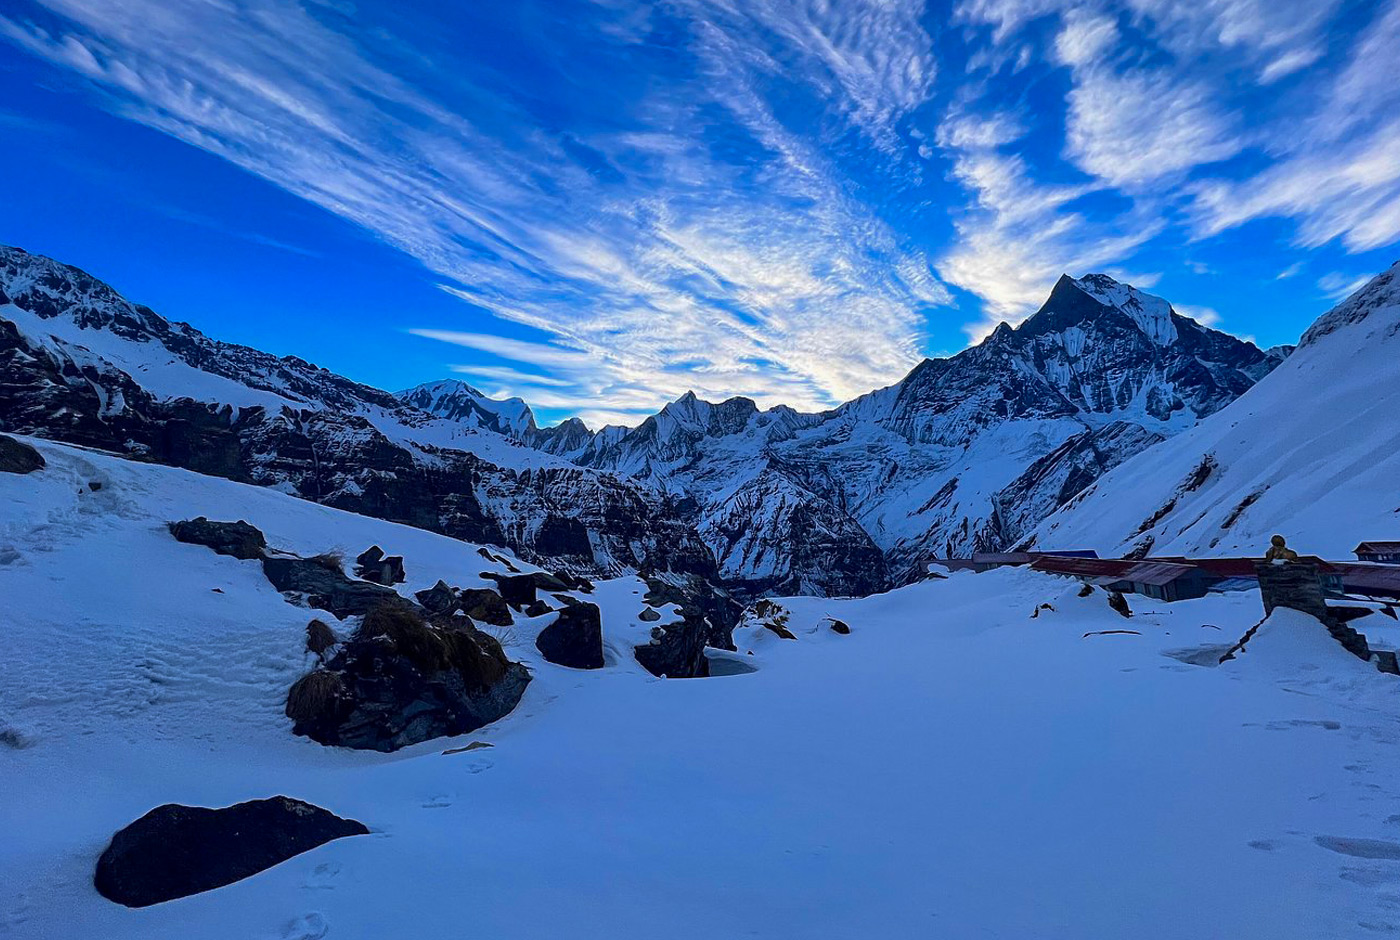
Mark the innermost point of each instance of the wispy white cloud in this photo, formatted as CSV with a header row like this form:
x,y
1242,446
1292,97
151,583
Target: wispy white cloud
x,y
1337,286
656,264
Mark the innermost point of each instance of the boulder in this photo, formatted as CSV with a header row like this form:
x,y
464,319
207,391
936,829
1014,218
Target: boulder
x,y
175,851
537,609
840,626
400,680
517,590
18,457
487,606
238,539
441,598
676,651
325,588
649,615
373,565
1119,603
701,603
574,639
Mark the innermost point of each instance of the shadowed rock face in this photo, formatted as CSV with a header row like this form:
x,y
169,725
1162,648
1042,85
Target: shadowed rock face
x,y
175,851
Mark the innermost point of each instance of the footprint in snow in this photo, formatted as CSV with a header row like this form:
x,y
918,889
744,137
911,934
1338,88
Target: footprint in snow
x,y
323,876
311,926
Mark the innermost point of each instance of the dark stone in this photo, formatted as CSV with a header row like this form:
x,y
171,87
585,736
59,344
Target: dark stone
x,y
517,590
175,851
537,609
840,626
1119,603
373,565
439,599
238,539
649,615
399,681
544,581
325,589
574,639
487,606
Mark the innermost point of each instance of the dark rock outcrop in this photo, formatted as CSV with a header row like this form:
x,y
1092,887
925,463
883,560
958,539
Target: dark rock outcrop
x,y
575,638
18,457
175,851
840,626
326,589
400,680
373,565
238,539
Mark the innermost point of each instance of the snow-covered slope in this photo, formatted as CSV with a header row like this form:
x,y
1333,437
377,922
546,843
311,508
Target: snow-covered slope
x,y
83,364
964,454
952,767
1312,452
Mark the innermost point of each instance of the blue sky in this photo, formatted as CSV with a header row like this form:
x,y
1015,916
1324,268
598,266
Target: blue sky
x,y
600,205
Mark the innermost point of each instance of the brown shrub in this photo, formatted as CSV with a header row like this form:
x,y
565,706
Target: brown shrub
x,y
333,560
411,637
316,698
477,657
319,637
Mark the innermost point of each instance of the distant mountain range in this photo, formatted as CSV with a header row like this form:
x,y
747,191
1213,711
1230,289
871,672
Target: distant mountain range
x,y
964,454
968,453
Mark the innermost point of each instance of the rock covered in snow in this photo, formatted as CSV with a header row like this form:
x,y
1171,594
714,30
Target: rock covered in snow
x,y
18,457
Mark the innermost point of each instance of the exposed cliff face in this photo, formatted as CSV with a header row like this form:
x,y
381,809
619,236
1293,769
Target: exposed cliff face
x,y
965,454
84,365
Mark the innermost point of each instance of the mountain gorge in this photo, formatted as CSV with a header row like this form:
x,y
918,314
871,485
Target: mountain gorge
x,y
967,453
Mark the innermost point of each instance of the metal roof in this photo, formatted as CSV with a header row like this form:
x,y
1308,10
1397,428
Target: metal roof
x,y
1376,547
1361,578
1158,572
1082,567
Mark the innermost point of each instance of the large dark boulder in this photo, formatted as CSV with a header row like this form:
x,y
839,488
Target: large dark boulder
x,y
18,457
441,598
373,565
518,590
326,587
175,851
400,680
574,639
707,608
486,606
238,539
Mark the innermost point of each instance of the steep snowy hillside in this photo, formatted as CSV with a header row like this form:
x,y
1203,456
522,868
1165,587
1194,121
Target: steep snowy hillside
x,y
952,767
965,454
1312,451
82,364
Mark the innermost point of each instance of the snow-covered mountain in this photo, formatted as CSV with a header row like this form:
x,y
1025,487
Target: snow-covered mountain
x,y
965,454
1312,452
82,364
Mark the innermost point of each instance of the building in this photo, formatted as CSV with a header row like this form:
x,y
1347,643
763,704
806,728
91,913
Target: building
x,y
1385,553
1370,580
1163,580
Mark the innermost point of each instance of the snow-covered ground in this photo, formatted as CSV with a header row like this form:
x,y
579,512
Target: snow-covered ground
x,y
953,768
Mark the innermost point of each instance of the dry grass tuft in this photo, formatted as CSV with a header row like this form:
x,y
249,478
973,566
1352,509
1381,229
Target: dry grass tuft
x,y
316,698
333,560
